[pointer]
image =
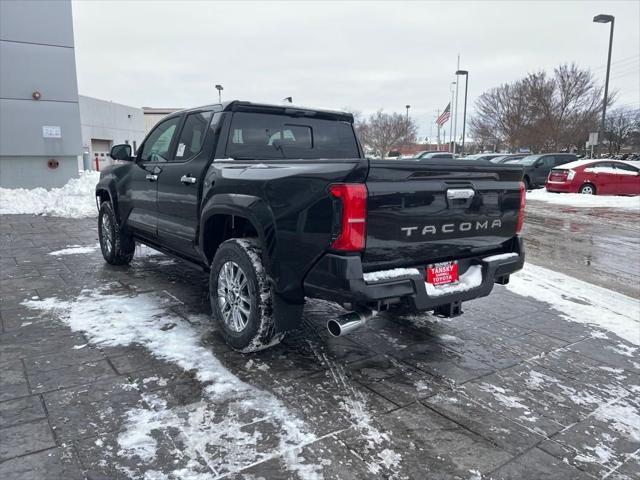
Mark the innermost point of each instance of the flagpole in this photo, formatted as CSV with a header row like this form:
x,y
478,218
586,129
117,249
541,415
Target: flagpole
x,y
455,115
438,113
450,119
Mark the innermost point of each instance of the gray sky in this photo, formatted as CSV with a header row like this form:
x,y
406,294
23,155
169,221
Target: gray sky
x,y
361,55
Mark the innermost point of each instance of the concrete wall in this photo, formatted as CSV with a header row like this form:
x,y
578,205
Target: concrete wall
x,y
37,54
109,123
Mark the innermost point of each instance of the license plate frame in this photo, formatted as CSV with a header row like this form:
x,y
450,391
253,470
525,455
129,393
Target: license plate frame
x,y
443,273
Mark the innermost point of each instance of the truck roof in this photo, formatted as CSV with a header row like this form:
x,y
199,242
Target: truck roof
x,y
288,108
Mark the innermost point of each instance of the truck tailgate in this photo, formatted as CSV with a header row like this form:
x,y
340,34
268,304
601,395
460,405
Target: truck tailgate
x,y
436,210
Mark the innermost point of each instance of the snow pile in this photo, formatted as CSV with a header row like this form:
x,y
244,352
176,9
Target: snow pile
x,y
216,429
75,200
472,278
580,200
75,250
580,301
390,274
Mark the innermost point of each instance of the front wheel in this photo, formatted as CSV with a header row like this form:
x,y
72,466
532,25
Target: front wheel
x,y
117,247
241,297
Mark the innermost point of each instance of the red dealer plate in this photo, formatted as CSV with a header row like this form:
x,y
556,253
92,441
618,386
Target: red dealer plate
x,y
442,273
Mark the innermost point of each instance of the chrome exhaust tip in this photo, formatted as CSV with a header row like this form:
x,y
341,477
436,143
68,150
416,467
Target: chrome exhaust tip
x,y
347,323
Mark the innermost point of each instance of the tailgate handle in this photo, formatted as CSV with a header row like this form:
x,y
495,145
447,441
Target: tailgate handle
x,y
460,193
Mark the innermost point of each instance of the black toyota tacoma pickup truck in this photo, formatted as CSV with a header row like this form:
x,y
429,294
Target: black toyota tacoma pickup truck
x,y
278,203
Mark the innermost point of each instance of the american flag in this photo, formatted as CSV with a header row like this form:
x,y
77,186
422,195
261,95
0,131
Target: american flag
x,y
442,119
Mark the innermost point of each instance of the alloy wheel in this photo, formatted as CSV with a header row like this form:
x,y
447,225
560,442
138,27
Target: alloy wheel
x,y
234,300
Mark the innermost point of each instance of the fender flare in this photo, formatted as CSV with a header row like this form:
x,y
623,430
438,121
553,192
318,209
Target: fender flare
x,y
108,186
251,208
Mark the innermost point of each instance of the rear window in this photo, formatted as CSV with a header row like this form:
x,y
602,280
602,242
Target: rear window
x,y
266,136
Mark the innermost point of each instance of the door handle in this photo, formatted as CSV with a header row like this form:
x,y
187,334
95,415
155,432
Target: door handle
x,y
188,179
151,177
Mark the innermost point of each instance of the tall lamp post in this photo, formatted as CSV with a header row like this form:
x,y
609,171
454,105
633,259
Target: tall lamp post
x,y
450,148
407,107
605,19
219,88
464,110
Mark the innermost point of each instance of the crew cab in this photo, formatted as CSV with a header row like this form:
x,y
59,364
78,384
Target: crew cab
x,y
279,204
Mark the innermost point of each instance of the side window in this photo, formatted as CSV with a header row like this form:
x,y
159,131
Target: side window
x,y
625,167
562,159
192,135
156,148
548,161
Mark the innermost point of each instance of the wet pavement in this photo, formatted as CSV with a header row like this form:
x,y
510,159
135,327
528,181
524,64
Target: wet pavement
x,y
597,245
509,390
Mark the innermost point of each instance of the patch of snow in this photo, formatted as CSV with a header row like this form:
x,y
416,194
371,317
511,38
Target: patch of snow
x,y
500,394
470,279
613,171
623,349
588,201
390,274
596,306
75,250
501,256
622,417
119,320
475,475
76,199
449,338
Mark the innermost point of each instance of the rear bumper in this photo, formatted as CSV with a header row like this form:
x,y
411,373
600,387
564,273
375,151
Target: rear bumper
x,y
340,279
561,187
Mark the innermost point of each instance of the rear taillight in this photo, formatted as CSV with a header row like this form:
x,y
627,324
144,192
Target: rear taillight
x,y
523,200
571,174
352,198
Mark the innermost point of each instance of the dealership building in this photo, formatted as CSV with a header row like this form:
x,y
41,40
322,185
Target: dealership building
x,y
48,132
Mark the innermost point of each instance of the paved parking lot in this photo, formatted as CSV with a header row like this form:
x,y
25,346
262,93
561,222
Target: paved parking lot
x,y
109,373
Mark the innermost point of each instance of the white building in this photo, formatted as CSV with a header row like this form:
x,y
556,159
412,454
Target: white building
x,y
105,124
153,115
39,116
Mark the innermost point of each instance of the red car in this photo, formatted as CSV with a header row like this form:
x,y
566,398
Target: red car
x,y
596,177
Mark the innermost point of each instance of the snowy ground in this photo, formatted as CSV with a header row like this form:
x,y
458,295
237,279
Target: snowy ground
x,y
582,201
117,373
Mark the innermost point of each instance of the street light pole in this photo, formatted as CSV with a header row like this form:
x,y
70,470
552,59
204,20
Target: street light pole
x,y
407,107
605,19
219,88
449,149
464,111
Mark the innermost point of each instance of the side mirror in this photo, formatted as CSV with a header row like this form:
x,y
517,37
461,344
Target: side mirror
x,y
121,152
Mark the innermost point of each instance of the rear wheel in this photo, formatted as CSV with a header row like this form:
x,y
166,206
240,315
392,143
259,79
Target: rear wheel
x,y
117,247
527,183
241,297
588,189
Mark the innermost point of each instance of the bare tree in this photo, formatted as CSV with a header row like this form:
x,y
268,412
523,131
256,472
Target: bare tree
x,y
382,132
620,126
540,111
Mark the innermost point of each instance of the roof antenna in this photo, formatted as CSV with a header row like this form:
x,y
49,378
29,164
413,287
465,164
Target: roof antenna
x,y
288,99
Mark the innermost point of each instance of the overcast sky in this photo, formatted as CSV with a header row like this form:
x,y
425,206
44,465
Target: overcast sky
x,y
362,55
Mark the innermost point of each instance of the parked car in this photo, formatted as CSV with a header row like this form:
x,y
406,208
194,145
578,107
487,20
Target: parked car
x,y
537,167
509,157
432,154
483,156
279,204
596,177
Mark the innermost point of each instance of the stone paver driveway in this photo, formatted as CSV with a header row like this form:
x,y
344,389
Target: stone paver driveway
x,y
109,373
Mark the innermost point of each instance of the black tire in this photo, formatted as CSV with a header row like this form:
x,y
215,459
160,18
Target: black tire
x,y
243,332
588,189
117,247
527,183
